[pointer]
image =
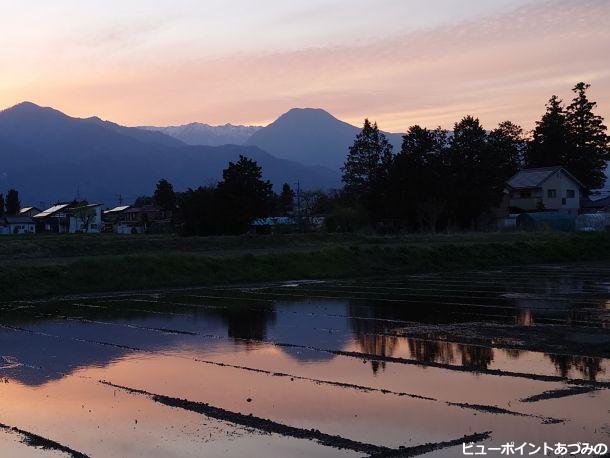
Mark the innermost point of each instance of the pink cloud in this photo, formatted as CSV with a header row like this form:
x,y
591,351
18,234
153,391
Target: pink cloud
x,y
500,67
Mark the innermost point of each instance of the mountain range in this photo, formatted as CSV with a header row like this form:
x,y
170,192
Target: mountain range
x,y
197,133
310,136
49,156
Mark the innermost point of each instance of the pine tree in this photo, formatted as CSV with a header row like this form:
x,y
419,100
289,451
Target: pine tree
x,y
164,195
417,194
13,205
473,173
551,138
243,195
367,167
508,145
1,205
587,157
286,199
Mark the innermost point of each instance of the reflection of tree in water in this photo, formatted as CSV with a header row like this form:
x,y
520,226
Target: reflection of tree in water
x,y
247,323
369,335
439,351
524,318
477,357
588,367
378,345
513,353
432,351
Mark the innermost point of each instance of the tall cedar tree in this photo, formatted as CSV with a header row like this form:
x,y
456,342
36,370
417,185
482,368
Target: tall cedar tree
x,y
243,195
367,168
551,138
164,195
286,200
508,144
13,205
417,193
473,173
1,205
586,159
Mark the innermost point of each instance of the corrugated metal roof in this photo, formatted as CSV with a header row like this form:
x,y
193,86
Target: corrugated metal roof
x,y
27,209
88,206
120,209
531,178
50,211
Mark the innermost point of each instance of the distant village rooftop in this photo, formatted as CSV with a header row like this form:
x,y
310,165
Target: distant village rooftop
x,y
25,210
51,211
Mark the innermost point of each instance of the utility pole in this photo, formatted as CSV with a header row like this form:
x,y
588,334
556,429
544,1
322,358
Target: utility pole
x,y
120,199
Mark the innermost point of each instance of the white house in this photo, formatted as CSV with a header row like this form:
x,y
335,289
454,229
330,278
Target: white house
x,y
17,225
115,220
85,218
547,188
70,218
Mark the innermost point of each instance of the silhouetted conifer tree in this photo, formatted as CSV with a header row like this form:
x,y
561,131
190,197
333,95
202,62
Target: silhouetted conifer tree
x,y
589,151
367,168
13,205
164,195
243,195
551,138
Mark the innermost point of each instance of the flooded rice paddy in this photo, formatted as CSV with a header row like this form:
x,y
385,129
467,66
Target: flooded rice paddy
x,y
404,366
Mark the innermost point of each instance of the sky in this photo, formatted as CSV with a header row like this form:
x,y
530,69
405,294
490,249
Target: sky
x,y
399,62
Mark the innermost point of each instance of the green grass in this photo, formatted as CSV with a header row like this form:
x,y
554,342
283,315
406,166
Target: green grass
x,y
328,257
43,246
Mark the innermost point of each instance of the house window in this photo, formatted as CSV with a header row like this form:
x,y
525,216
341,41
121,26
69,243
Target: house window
x,y
570,193
551,193
525,194
563,201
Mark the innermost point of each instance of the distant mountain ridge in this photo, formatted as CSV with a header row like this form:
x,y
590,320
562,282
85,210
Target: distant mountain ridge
x,y
197,133
311,136
49,156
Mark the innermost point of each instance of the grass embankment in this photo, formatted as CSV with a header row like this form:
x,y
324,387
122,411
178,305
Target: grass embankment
x,y
296,257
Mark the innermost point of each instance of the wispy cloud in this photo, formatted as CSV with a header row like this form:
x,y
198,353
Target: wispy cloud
x,y
498,66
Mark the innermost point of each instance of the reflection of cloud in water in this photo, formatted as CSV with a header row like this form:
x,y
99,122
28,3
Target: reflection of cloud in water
x,y
47,358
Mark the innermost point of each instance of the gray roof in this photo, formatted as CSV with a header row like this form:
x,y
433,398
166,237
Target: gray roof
x,y
599,203
50,211
533,178
12,219
27,209
120,209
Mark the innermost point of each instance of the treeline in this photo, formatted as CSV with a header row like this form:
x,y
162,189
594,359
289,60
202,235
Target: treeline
x,y
439,180
227,207
452,180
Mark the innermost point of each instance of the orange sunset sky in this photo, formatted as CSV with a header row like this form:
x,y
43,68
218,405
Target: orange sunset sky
x,y
399,62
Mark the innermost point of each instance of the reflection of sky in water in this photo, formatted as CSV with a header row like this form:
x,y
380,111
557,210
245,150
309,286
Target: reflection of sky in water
x,y
335,324
56,362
